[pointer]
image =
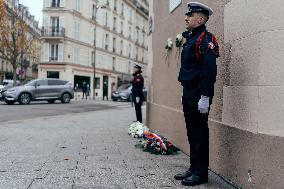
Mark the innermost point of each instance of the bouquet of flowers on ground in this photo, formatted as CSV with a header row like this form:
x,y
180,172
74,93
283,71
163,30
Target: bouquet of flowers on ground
x,y
137,129
156,144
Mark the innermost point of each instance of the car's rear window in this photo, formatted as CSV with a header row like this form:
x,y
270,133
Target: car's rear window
x,y
123,87
57,82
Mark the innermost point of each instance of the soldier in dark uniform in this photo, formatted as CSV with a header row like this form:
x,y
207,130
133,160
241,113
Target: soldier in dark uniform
x,y
197,76
137,91
105,90
84,89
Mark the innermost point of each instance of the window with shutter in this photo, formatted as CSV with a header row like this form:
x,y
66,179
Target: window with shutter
x,y
61,24
46,52
173,4
47,3
62,3
60,52
76,30
54,52
77,5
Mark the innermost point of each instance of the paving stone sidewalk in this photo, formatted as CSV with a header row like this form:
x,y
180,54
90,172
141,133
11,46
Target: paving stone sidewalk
x,y
84,151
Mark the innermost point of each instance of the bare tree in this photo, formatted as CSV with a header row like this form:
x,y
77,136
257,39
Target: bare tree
x,y
17,41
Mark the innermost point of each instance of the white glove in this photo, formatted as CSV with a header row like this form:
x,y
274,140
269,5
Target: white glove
x,y
137,99
203,104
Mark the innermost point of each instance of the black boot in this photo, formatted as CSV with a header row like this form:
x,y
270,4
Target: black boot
x,y
182,176
194,180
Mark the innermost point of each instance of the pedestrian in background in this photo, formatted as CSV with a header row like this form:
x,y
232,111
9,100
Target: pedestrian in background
x,y
84,89
137,91
76,87
88,91
197,76
105,91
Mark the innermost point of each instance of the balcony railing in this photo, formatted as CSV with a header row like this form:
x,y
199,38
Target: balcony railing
x,y
53,32
55,5
140,6
53,58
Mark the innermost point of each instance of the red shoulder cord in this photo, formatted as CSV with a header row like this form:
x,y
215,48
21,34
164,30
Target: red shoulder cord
x,y
198,45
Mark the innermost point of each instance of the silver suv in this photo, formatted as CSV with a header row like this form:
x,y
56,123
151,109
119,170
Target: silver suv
x,y
40,89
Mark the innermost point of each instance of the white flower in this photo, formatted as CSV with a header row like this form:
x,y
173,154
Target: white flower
x,y
179,40
139,133
137,129
169,45
170,42
179,37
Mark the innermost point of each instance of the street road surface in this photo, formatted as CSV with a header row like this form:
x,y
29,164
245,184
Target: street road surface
x,y
82,145
43,108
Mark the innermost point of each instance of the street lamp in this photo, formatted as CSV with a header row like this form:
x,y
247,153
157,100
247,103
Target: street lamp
x,y
95,46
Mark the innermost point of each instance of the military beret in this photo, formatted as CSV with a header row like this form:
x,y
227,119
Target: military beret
x,y
199,7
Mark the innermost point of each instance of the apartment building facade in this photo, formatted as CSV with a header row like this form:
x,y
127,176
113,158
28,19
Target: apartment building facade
x,y
29,68
68,38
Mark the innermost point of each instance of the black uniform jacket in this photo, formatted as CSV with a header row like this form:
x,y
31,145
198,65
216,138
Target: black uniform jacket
x,y
199,71
137,85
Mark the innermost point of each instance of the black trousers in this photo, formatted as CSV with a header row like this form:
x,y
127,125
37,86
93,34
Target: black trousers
x,y
84,95
105,95
197,132
138,110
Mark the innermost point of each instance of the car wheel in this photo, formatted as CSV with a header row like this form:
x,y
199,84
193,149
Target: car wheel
x,y
51,101
10,102
24,98
66,97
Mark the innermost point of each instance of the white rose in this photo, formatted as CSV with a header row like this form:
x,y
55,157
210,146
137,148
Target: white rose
x,y
179,37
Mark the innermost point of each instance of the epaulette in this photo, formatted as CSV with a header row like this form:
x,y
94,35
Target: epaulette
x,y
211,43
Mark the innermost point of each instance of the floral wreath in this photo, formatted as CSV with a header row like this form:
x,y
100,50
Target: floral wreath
x,y
168,47
180,40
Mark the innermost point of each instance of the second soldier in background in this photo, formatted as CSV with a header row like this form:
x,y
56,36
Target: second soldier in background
x,y
137,91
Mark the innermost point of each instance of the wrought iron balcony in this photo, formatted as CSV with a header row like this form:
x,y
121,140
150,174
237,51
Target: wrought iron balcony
x,y
55,4
53,32
53,58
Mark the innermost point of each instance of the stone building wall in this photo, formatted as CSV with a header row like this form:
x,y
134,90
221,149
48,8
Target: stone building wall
x,y
246,120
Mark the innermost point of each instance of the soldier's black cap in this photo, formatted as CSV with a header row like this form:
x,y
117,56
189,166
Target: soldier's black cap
x,y
137,66
198,7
